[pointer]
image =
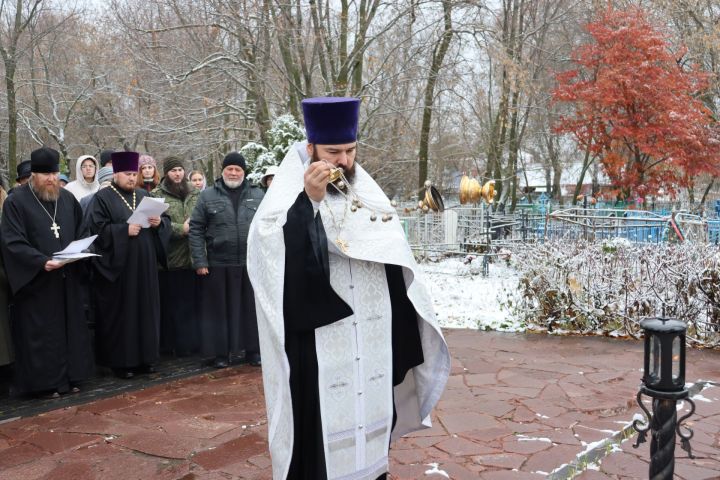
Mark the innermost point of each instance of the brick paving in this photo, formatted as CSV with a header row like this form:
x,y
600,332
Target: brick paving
x,y
517,406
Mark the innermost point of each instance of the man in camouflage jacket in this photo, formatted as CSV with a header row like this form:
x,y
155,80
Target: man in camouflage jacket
x,y
179,288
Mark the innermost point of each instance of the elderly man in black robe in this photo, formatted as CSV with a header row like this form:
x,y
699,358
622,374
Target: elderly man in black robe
x,y
50,334
127,297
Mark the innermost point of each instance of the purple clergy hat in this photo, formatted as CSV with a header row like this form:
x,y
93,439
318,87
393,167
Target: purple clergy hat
x,y
125,161
331,120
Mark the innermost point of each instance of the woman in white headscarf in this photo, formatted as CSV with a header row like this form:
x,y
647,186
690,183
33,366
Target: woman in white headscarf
x,y
197,179
86,177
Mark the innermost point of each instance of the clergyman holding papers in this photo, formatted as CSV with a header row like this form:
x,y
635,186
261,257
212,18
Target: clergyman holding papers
x,y
126,285
50,335
77,250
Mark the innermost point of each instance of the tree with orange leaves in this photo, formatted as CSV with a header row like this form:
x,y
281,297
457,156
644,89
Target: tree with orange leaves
x,y
636,107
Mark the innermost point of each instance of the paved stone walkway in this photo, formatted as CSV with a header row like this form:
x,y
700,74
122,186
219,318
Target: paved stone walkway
x,y
103,385
516,407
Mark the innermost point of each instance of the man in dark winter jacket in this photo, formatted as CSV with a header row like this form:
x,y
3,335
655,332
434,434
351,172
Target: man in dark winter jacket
x,y
218,243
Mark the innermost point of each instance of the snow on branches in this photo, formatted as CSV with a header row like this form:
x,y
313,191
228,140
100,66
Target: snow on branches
x,y
285,131
607,288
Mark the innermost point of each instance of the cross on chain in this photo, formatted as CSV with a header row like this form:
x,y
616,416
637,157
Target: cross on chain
x,y
56,229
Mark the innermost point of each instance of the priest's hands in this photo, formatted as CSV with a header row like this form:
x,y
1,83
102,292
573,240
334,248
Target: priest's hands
x,y
134,230
154,221
51,265
202,271
316,179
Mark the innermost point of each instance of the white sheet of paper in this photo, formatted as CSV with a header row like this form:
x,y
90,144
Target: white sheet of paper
x,y
74,251
149,207
77,246
73,257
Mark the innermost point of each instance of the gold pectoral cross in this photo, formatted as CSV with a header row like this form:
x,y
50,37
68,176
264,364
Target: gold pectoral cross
x,y
342,244
56,229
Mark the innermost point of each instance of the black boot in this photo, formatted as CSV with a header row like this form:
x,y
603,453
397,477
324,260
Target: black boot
x,y
220,362
145,369
253,359
124,373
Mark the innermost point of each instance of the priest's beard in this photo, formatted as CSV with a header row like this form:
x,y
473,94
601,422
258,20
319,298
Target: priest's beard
x,y
349,174
48,191
124,183
180,189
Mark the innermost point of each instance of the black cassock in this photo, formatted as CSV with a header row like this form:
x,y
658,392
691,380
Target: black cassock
x,y
126,289
49,328
228,323
309,302
6,350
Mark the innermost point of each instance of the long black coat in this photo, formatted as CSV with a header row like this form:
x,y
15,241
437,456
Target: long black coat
x,y
6,350
126,288
50,333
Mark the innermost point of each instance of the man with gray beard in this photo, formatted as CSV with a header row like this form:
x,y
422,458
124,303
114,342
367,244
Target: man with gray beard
x,y
49,328
218,244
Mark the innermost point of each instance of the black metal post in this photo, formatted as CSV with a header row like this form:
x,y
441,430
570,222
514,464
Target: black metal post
x,y
663,424
662,444
664,382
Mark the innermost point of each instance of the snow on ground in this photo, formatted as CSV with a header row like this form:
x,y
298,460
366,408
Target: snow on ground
x,y
463,298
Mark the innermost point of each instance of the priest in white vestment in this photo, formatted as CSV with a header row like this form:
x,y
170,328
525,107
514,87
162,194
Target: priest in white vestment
x,y
352,353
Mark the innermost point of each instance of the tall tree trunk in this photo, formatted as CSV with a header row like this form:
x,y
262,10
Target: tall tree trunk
x,y
321,45
285,36
554,156
556,191
578,186
438,57
340,85
515,130
513,149
511,13
9,55
12,122
707,191
595,179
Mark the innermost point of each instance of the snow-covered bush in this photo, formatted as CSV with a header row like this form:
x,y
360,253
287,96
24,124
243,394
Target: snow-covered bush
x,y
609,287
612,245
262,162
252,151
285,131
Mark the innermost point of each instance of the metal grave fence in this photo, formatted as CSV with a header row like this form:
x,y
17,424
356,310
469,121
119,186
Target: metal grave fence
x,y
463,229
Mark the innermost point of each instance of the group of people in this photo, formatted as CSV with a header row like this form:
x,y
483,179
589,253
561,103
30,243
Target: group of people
x,y
179,286
307,274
